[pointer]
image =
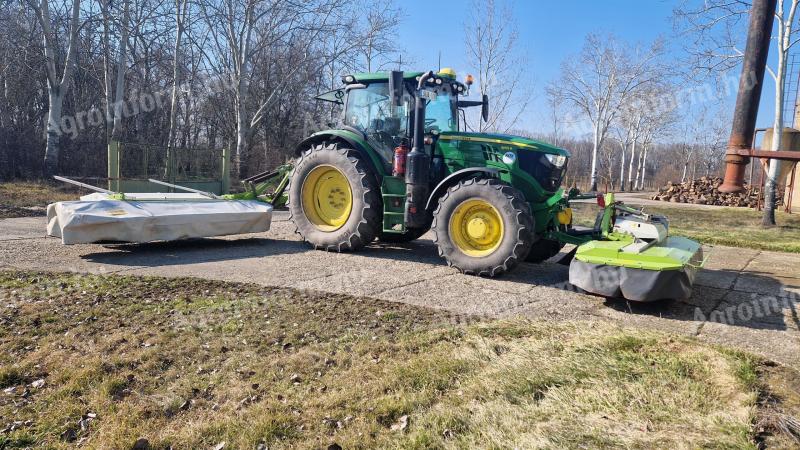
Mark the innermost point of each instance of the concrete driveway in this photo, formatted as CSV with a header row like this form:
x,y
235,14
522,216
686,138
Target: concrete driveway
x,y
748,299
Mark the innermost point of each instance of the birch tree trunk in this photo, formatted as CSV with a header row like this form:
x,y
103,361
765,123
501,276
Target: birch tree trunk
x,y
122,67
631,162
640,178
638,170
180,19
622,169
115,94
55,97
685,168
784,44
595,145
633,152
56,86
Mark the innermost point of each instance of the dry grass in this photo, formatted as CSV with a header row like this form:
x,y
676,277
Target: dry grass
x,y
22,199
736,227
189,363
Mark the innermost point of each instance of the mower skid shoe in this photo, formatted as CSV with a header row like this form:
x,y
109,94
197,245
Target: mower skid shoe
x,y
637,285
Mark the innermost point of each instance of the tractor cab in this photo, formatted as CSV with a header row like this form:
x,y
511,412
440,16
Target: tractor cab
x,y
380,106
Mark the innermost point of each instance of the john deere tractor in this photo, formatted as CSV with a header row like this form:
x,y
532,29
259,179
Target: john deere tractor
x,y
491,200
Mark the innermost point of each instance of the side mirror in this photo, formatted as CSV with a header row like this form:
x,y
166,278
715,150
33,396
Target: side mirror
x,y
485,108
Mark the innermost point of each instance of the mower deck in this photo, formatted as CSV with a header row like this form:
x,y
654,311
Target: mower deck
x,y
158,217
664,270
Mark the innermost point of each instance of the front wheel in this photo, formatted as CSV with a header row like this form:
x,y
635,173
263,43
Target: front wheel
x,y
483,227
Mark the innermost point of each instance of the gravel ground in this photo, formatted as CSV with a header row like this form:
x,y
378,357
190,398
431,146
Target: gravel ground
x,y
738,285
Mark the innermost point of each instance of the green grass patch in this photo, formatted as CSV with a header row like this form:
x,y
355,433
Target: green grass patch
x,y
193,363
735,227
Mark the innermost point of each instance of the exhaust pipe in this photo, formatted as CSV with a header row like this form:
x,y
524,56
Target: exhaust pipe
x,y
418,166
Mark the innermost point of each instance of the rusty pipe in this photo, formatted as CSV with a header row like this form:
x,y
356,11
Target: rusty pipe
x,y
749,95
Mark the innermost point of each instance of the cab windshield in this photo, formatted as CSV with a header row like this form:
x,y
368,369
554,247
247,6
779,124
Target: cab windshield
x,y
440,113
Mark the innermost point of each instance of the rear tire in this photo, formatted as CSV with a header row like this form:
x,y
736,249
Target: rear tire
x,y
334,200
483,227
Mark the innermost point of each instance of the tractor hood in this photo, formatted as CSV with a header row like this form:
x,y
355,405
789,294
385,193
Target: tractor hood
x,y
505,139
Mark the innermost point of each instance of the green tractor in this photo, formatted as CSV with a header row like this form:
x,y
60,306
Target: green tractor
x,y
491,200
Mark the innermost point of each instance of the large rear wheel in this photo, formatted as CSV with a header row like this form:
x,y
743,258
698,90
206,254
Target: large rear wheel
x,y
483,227
333,199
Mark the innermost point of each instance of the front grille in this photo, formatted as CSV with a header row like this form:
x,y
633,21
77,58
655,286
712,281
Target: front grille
x,y
537,165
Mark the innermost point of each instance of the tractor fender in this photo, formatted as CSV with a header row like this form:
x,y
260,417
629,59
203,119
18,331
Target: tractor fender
x,y
454,178
353,138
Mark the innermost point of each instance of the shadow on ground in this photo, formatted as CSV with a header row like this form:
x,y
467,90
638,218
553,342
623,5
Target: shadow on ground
x,y
729,305
744,299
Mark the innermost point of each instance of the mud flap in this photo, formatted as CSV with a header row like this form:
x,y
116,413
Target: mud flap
x,y
638,285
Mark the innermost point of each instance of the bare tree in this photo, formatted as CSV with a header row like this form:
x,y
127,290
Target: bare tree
x,y
712,32
231,26
116,69
785,17
556,112
491,40
376,43
57,83
601,79
624,135
181,9
717,28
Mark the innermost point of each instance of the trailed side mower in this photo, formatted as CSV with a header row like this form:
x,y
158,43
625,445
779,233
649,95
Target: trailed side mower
x,y
491,200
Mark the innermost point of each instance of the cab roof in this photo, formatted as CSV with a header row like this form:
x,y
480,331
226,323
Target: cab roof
x,y
383,77
372,77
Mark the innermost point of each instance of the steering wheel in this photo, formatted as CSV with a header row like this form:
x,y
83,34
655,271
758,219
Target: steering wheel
x,y
429,122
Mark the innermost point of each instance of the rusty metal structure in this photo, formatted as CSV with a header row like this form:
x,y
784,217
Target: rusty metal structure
x,y
747,101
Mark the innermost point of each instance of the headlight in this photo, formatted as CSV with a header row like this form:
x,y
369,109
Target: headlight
x,y
556,160
509,158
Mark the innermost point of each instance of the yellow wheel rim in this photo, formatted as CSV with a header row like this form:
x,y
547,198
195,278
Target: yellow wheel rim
x,y
476,228
327,198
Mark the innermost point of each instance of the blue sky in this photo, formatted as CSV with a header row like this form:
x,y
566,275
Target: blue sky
x,y
548,31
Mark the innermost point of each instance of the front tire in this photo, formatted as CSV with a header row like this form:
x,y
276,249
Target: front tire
x,y
483,227
334,200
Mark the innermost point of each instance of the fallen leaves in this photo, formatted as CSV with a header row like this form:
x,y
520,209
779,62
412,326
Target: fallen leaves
x,y
401,424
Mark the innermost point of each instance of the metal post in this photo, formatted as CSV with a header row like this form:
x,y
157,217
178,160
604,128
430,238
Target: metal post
x,y
171,165
790,194
226,170
749,96
146,161
113,165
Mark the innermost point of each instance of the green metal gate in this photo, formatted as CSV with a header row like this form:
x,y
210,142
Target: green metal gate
x,y
131,164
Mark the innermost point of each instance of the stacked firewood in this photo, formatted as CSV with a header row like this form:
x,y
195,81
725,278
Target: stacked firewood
x,y
705,191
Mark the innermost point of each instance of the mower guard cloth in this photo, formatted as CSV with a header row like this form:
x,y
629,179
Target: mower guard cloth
x,y
103,220
640,285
